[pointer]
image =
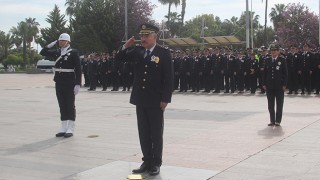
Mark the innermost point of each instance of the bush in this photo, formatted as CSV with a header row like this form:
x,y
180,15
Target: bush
x,y
13,59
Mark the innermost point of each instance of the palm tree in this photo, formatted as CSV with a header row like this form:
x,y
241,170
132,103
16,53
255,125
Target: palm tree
x,y
169,2
33,30
276,15
21,32
72,6
7,43
183,10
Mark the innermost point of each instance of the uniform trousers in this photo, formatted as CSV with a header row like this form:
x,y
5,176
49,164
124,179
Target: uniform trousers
x,y
292,80
278,96
93,80
253,82
183,82
150,126
66,100
230,81
306,81
104,77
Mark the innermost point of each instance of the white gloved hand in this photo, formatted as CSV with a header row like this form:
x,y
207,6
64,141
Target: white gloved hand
x,y
52,44
76,89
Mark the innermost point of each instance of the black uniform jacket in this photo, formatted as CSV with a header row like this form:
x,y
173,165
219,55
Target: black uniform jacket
x,y
70,60
153,78
276,73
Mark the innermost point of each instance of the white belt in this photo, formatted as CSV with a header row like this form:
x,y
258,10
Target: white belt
x,y
63,70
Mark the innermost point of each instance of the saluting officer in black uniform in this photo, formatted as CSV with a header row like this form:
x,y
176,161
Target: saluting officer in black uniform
x,y
68,80
152,91
275,82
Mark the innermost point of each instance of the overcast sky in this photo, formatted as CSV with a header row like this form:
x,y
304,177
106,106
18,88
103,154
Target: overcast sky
x,y
14,11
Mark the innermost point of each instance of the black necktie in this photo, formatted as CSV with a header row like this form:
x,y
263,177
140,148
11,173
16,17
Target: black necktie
x,y
147,55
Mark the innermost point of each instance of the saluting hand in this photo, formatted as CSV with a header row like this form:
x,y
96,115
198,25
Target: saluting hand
x,y
163,105
130,42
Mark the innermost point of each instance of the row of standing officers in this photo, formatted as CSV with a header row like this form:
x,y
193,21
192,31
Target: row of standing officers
x,y
104,70
225,69
211,70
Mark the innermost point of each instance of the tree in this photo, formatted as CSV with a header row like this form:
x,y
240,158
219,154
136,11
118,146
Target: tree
x,y
175,23
57,26
299,25
7,43
139,11
33,30
72,6
276,15
169,2
21,32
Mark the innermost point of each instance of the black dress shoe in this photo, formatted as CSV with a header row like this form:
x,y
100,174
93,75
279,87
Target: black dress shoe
x,y
154,170
60,134
271,124
104,89
67,135
144,167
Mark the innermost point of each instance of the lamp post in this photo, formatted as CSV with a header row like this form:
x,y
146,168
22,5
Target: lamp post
x,y
126,19
247,25
203,27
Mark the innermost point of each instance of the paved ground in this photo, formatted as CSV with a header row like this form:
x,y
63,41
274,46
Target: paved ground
x,y
207,136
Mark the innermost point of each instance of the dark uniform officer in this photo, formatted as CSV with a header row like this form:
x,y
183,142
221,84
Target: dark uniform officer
x,y
305,68
114,68
275,82
152,90
217,67
103,70
240,72
68,80
252,70
207,70
292,60
93,72
229,71
182,71
84,67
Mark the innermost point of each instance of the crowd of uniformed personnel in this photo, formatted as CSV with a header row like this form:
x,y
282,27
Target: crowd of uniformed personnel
x,y
213,70
104,70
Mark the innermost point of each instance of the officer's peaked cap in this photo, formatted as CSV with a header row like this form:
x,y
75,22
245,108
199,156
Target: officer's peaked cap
x,y
274,47
146,29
